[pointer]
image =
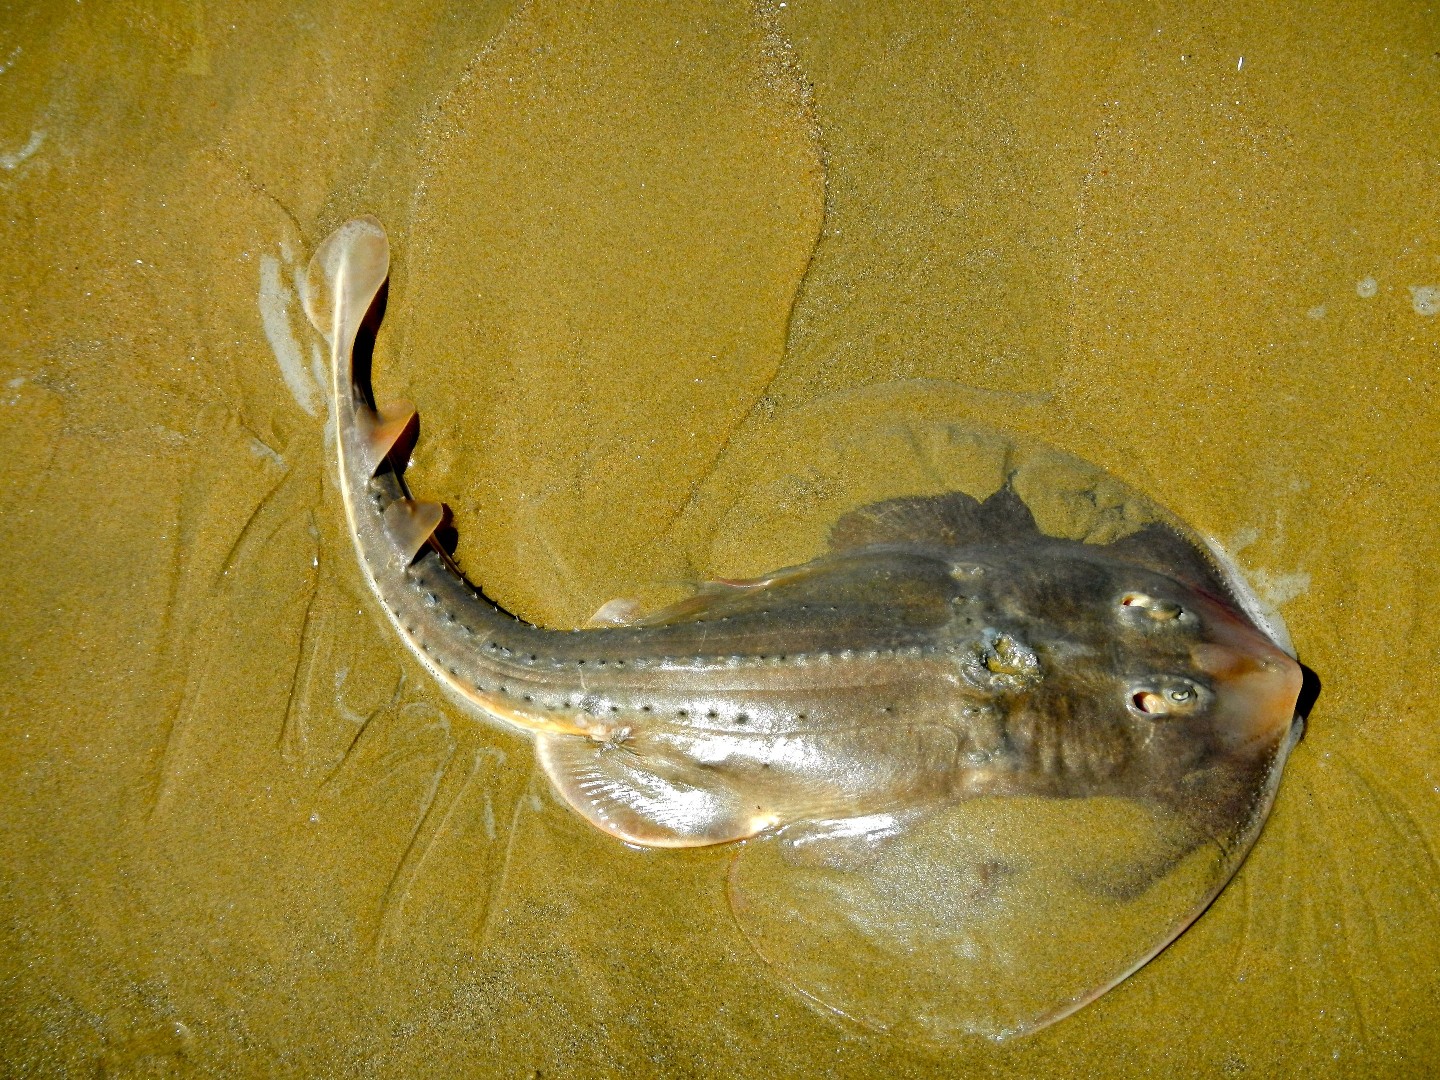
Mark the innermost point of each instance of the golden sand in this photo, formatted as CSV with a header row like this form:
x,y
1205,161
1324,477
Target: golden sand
x,y
638,255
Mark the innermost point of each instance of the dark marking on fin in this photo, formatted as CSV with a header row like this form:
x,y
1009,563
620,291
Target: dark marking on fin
x,y
650,802
410,524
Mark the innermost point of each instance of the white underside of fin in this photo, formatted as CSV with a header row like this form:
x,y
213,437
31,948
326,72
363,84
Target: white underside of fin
x,y
652,804
621,611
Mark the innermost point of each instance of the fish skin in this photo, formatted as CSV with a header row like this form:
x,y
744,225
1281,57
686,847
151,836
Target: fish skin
x,y
876,680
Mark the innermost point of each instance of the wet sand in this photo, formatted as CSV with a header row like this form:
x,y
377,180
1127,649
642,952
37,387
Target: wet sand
x,y
639,261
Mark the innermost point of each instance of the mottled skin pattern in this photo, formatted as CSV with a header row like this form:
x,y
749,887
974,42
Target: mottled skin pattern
x,y
944,649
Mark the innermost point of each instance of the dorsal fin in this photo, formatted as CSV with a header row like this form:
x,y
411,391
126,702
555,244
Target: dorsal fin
x,y
647,802
410,524
391,429
950,520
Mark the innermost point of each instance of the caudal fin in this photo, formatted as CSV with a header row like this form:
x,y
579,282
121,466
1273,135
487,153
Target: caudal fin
x,y
344,275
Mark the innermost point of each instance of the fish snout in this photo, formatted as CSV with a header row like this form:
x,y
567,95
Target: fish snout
x,y
1256,684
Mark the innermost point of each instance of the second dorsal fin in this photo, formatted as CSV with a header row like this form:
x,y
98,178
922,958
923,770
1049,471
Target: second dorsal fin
x,y
389,430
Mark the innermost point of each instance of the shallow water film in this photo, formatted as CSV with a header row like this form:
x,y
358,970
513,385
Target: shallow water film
x,y
657,279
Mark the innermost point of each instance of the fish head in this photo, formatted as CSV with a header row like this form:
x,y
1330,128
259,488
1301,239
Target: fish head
x,y
1143,681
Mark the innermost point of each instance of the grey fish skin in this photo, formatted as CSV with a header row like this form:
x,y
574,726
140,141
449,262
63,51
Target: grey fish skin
x,y
872,682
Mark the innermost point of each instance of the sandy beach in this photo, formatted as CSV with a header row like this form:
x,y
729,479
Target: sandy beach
x,y
647,264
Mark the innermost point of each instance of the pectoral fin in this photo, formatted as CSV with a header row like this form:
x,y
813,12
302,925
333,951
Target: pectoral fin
x,y
845,843
950,520
1161,548
651,803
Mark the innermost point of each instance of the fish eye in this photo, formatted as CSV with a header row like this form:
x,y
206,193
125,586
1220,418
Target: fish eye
x,y
1156,608
1172,696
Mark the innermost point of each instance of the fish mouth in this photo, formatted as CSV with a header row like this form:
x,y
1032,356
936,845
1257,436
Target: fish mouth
x,y
1256,683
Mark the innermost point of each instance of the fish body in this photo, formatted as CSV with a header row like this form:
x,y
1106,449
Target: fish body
x,y
944,649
